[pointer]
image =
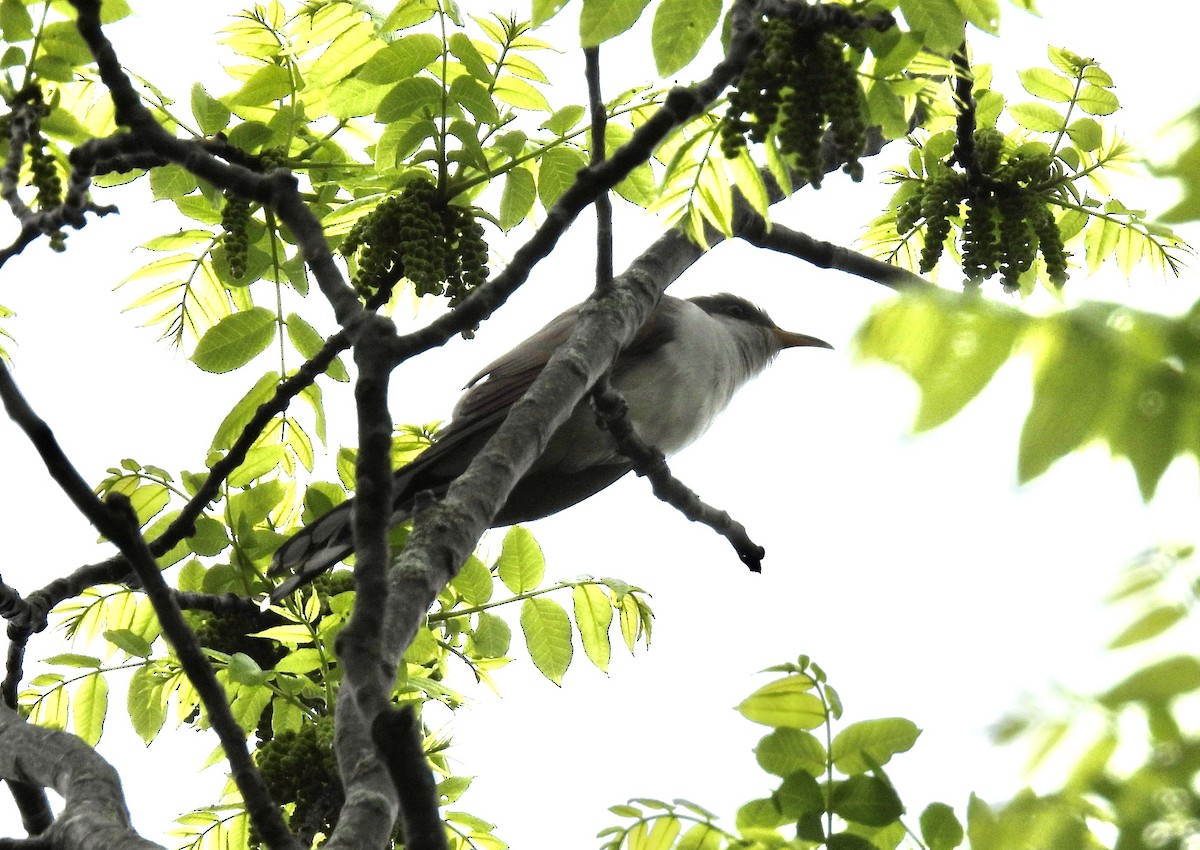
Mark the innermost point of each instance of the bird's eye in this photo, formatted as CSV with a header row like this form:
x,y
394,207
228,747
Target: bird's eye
x,y
736,311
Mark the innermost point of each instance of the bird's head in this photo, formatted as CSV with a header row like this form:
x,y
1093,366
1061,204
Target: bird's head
x,y
759,338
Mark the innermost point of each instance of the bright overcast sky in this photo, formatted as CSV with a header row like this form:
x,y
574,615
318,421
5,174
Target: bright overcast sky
x,y
913,569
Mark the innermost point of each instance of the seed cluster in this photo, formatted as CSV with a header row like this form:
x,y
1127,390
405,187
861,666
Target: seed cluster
x,y
800,82
417,234
235,218
1006,223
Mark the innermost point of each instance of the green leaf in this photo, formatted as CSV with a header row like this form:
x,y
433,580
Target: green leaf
x,y
544,10
759,814
950,347
787,751
74,659
701,836
401,59
1071,390
867,800
492,636
869,744
984,14
564,120
1086,133
680,29
211,115
1148,421
1151,624
786,703
309,343
90,706
1044,83
518,196
129,641
411,96
235,340
799,795
245,670
1155,683
171,181
848,841
472,96
236,420
521,565
1097,101
940,827
1036,116
547,631
473,581
464,50
593,616
269,83
146,703
299,661
518,93
601,20
940,23
211,537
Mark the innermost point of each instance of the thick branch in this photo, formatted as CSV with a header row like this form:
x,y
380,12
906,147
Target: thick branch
x,y
94,816
372,799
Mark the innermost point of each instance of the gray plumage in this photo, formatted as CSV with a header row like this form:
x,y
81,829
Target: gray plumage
x,y
677,374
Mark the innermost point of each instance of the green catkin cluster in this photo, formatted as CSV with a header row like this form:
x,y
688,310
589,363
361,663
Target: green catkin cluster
x,y
1006,222
796,85
944,190
418,235
44,173
301,766
235,218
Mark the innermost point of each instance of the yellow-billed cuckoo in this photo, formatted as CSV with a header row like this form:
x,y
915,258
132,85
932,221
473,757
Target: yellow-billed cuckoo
x,y
677,374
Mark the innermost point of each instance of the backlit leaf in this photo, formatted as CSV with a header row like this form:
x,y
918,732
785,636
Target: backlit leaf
x,y
235,340
600,20
680,28
868,744
1036,116
521,565
547,631
593,616
785,702
90,706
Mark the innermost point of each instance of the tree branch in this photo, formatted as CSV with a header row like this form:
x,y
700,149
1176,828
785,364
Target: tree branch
x,y
94,816
827,255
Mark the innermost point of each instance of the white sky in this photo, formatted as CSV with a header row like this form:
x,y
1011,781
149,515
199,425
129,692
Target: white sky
x,y
914,570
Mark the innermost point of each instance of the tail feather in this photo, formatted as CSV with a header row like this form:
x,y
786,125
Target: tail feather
x,y
313,550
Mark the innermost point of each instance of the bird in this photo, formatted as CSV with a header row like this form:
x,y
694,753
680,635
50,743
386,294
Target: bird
x,y
677,374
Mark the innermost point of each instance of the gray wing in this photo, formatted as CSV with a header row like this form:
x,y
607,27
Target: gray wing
x,y
490,393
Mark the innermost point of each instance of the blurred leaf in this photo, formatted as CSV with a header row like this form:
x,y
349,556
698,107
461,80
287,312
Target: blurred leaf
x,y
1151,624
940,827
1161,681
866,800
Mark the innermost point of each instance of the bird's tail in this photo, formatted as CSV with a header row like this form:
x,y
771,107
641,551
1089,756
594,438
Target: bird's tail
x,y
313,550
